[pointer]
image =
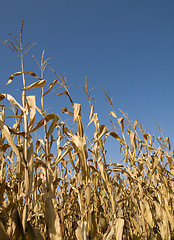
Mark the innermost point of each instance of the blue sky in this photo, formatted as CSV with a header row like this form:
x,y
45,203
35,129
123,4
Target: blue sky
x,y
125,46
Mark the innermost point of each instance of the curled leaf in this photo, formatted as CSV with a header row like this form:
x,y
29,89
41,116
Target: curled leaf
x,y
37,84
113,134
41,122
12,100
19,73
51,86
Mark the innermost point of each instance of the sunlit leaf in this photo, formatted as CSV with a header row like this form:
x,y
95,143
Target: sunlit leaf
x,y
41,122
12,100
51,86
37,84
19,73
113,134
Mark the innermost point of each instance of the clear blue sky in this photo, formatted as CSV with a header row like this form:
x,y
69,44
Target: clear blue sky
x,y
125,46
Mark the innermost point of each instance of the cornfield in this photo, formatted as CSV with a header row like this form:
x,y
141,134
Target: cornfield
x,y
73,191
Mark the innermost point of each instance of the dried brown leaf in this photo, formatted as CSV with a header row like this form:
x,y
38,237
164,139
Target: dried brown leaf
x,y
113,114
6,133
12,100
52,220
113,134
40,83
19,73
41,122
52,126
51,86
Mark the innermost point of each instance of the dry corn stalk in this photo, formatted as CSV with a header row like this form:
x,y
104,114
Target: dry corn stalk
x,y
56,183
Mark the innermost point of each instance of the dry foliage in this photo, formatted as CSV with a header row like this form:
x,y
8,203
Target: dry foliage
x,y
73,192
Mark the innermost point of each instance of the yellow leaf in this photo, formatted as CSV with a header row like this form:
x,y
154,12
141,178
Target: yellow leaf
x,y
119,228
37,84
113,114
6,133
67,93
77,110
66,111
122,123
41,122
52,126
51,86
91,112
78,141
102,131
52,220
135,124
132,139
168,140
29,174
19,73
113,134
12,100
